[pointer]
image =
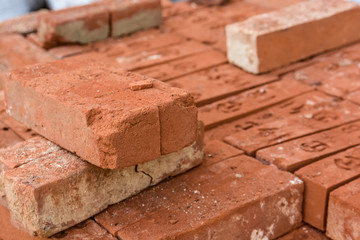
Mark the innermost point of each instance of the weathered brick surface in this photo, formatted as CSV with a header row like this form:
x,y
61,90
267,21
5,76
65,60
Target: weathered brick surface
x,y
77,110
257,44
234,206
177,68
55,191
297,153
219,82
216,151
343,220
314,115
304,233
128,16
61,52
250,101
323,176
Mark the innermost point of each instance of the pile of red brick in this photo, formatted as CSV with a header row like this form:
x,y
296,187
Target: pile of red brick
x,y
281,148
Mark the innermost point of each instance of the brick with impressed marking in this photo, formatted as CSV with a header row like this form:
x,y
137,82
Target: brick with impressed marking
x,y
248,200
310,117
322,177
127,16
88,108
58,190
297,153
343,220
249,102
275,39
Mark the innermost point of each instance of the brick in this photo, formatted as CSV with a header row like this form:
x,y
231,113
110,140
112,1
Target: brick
x,y
248,102
7,136
219,82
16,51
150,58
35,190
130,16
255,205
305,233
82,24
274,4
344,212
23,24
308,119
177,68
74,107
251,42
2,101
216,151
140,85
322,177
17,127
171,9
292,155
210,2
62,52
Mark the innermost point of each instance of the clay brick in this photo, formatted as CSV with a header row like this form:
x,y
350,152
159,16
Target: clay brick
x,y
219,82
20,129
145,59
274,4
304,233
171,9
128,16
248,200
309,118
343,220
292,155
216,151
16,51
24,24
35,190
62,52
248,102
73,108
82,24
322,177
177,68
251,43
7,136
2,101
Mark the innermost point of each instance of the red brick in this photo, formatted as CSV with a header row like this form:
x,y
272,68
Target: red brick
x,y
343,220
297,153
72,112
308,118
248,102
216,151
68,51
247,199
23,24
274,4
82,24
322,177
177,68
171,9
128,16
35,190
20,129
304,233
150,58
7,136
219,82
258,47
16,51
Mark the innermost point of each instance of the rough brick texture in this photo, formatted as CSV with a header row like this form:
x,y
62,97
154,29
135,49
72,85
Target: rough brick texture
x,y
92,111
304,29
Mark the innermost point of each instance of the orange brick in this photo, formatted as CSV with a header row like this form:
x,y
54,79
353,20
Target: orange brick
x,y
305,233
261,43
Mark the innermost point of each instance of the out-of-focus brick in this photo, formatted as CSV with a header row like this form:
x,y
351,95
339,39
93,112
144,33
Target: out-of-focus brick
x,y
323,176
343,220
127,16
261,43
7,136
219,82
62,52
77,110
248,200
58,190
20,129
304,233
250,101
297,153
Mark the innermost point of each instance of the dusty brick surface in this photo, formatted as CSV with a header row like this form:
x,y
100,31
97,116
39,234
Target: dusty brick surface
x,y
248,102
304,233
160,119
297,153
202,206
218,82
251,43
323,176
344,212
